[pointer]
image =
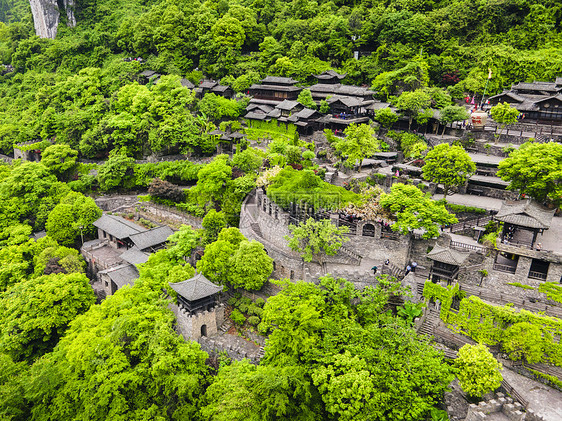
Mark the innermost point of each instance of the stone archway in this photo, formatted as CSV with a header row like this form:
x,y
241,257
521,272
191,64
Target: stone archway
x,y
368,230
203,330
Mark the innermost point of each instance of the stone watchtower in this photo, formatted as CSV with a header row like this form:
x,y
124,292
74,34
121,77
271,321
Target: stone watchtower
x,y
197,311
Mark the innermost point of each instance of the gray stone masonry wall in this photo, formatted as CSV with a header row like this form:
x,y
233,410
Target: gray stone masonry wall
x,y
264,221
189,325
485,410
214,345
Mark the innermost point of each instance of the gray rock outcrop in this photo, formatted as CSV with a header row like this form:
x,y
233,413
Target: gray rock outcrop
x,y
46,16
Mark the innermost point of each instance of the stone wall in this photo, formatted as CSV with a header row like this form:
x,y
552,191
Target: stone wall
x,y
513,410
215,345
190,325
264,221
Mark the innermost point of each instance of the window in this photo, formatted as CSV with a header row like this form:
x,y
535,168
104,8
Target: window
x,y
204,330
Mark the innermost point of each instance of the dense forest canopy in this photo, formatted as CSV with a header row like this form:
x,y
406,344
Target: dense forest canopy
x,y
76,86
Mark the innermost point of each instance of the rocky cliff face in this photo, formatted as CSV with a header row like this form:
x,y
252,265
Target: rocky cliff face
x,y
46,16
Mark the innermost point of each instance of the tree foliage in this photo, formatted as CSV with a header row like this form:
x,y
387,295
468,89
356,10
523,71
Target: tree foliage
x,y
36,312
315,239
477,370
415,210
448,165
535,169
363,362
359,142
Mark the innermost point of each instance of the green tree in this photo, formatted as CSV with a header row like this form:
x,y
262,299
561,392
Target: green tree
x,y
359,142
452,113
477,370
217,107
182,242
212,182
415,210
60,160
536,170
316,239
72,217
324,107
305,99
250,266
213,223
412,145
243,391
448,165
412,103
524,340
248,160
504,114
353,351
116,172
148,370
36,312
386,117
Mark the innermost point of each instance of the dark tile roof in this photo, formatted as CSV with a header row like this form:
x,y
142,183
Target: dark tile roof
x,y
275,113
287,105
330,74
281,88
147,73
380,105
557,97
260,107
525,214
217,132
510,94
338,89
207,84
117,226
196,288
447,255
122,275
237,135
220,88
255,116
152,237
134,256
276,80
264,101
305,113
536,86
187,84
348,101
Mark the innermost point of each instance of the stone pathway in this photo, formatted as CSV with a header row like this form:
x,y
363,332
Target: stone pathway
x,y
544,400
488,203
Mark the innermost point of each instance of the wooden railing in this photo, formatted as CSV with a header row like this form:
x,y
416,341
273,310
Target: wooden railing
x,y
504,268
514,393
474,247
470,223
537,275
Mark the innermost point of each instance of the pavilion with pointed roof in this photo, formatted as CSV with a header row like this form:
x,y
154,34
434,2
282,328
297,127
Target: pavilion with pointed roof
x,y
446,263
196,294
523,221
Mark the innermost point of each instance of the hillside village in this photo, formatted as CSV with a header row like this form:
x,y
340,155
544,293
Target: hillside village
x,y
222,211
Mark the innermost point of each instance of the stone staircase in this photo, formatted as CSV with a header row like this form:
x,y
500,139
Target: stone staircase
x,y
261,353
226,325
430,322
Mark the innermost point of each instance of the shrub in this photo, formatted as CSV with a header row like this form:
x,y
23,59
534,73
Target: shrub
x,y
237,317
254,320
260,302
243,307
237,295
254,310
245,300
232,301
